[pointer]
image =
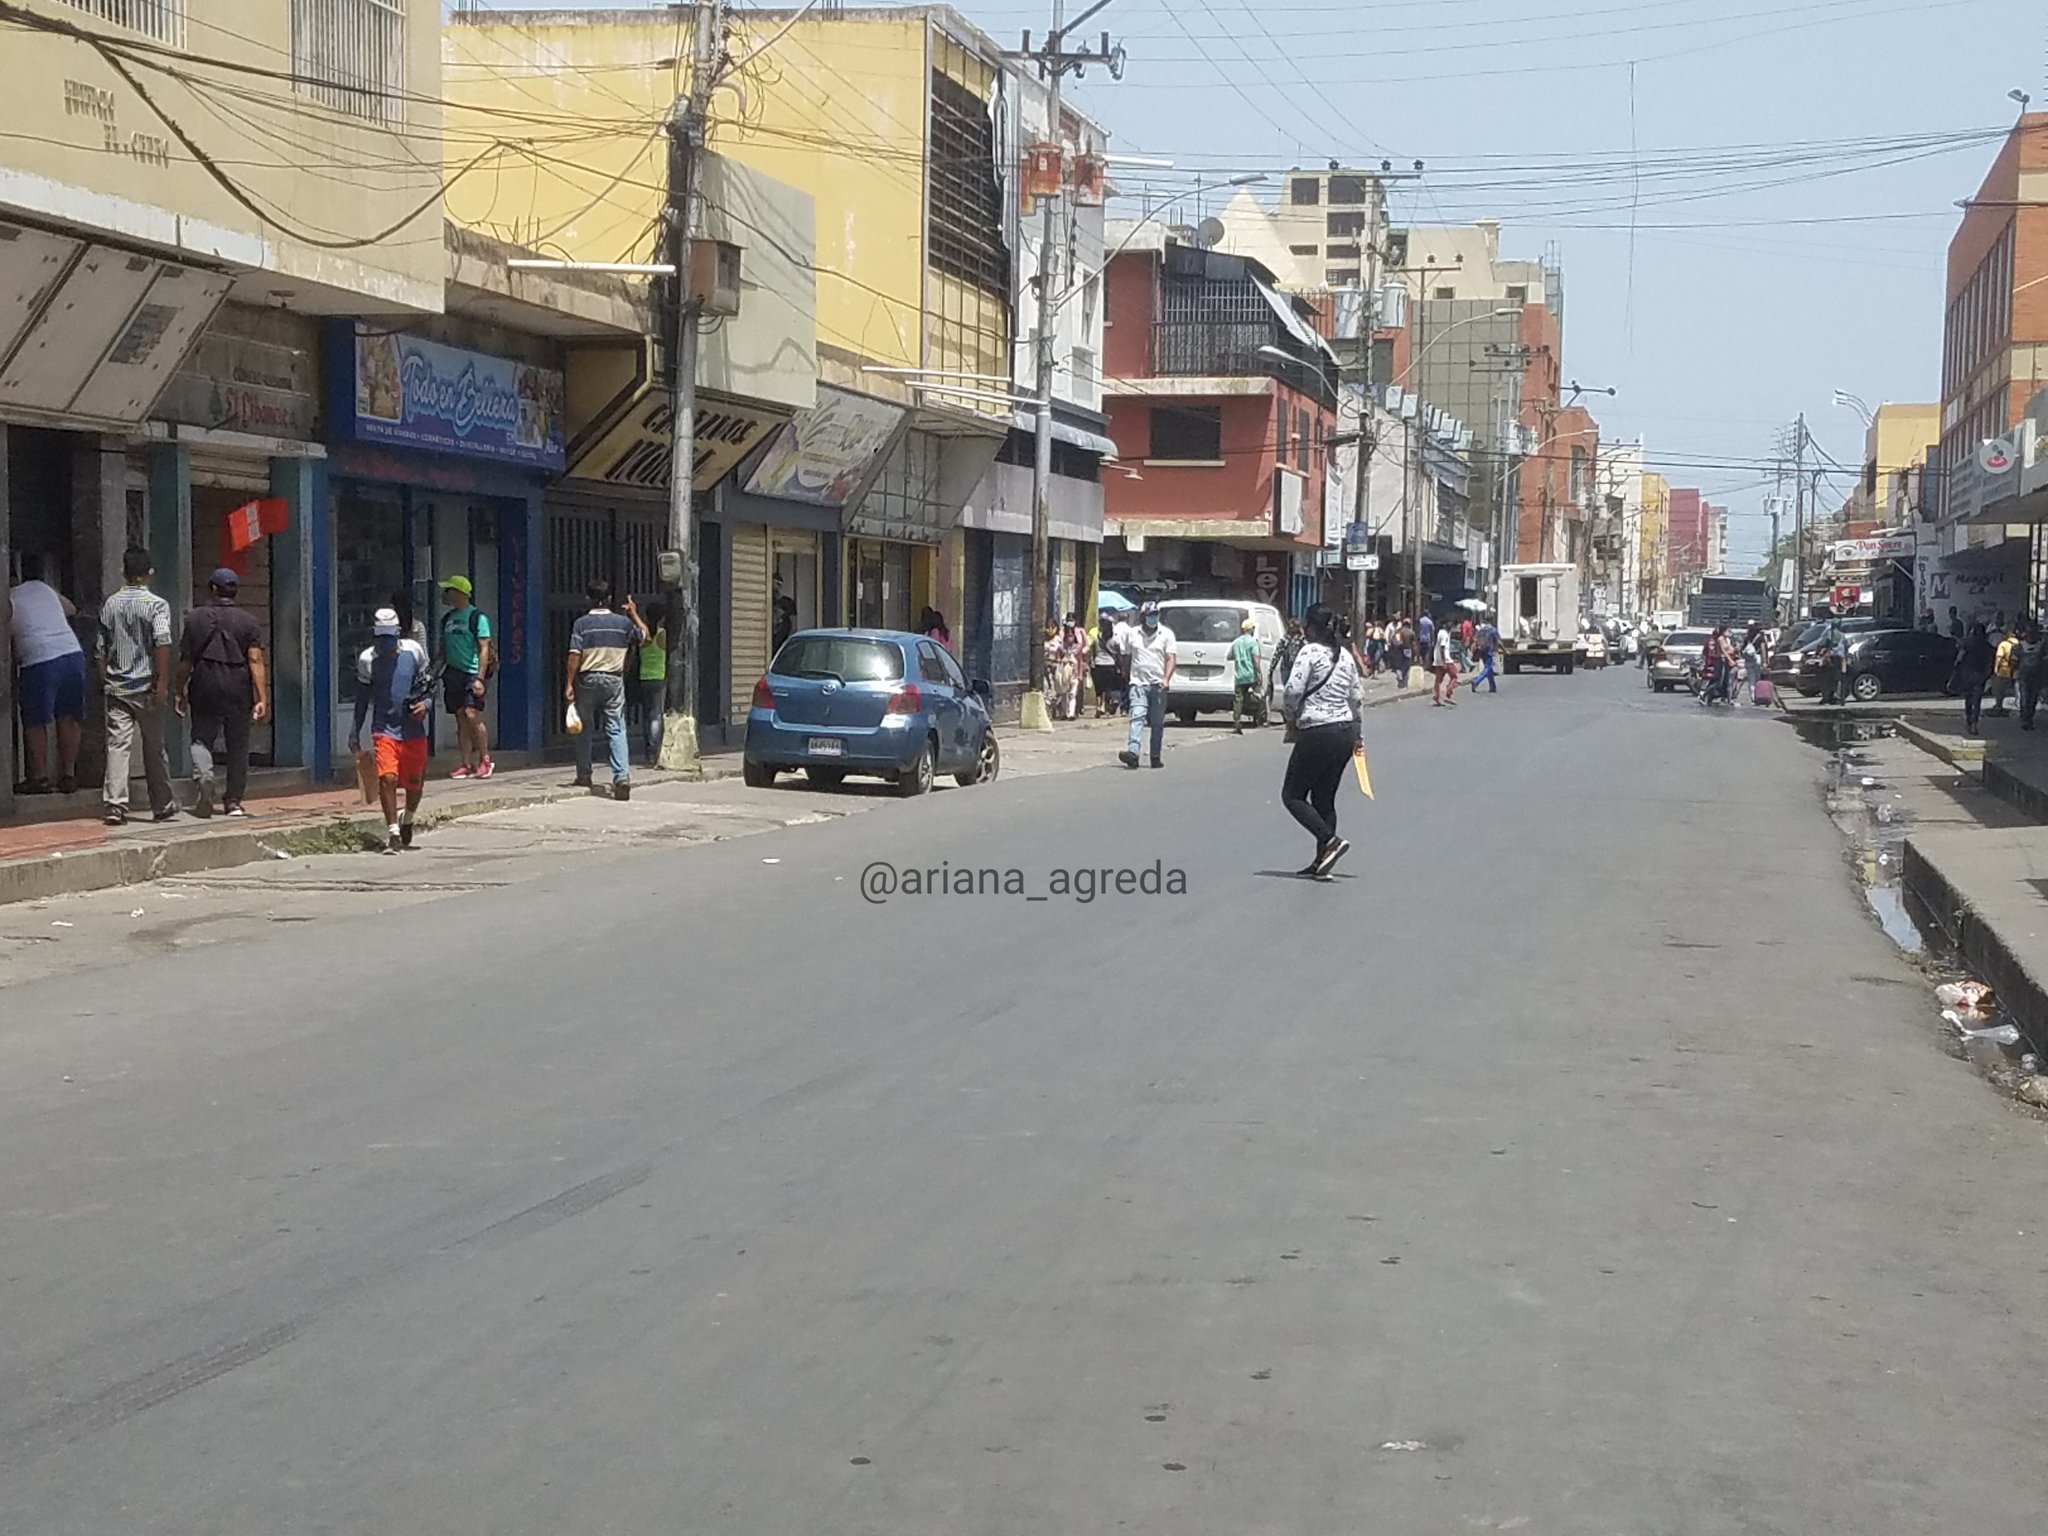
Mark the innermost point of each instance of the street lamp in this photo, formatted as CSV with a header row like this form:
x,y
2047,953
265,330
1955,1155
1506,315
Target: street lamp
x,y
1856,403
2022,98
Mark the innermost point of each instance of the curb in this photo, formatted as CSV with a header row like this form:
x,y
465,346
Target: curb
x,y
1969,754
1979,944
106,867
2015,791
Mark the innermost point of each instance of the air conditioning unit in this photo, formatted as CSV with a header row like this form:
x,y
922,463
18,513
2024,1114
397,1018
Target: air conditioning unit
x,y
714,277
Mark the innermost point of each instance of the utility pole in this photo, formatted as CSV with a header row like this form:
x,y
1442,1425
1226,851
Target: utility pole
x,y
1055,60
687,133
1799,522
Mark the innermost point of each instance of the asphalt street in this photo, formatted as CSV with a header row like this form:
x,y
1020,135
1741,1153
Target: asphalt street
x,y
1582,1162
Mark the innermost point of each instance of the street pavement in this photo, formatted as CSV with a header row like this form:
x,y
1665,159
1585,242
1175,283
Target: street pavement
x,y
1583,1161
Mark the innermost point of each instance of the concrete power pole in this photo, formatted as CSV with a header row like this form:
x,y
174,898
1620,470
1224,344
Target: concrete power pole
x,y
1799,522
1055,61
687,133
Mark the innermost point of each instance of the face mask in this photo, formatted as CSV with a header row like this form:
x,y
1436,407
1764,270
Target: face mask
x,y
1152,622
386,644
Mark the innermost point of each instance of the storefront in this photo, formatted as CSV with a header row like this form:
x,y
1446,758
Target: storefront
x,y
437,467
88,340
609,518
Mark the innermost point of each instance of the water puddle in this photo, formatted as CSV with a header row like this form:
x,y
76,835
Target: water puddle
x,y
1838,731
1872,816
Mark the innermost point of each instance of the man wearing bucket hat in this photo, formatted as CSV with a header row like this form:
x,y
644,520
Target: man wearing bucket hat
x,y
469,657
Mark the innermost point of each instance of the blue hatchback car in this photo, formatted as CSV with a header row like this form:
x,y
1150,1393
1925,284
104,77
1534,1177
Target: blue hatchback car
x,y
869,701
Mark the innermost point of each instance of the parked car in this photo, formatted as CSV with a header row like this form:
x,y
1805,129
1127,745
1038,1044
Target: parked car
x,y
1203,630
873,702
1795,662
1675,659
1897,660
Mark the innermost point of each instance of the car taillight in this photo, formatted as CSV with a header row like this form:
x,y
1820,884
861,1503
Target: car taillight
x,y
764,696
906,700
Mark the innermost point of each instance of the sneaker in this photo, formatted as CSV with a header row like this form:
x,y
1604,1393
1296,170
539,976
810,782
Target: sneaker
x,y
168,813
392,845
1128,759
1327,859
235,811
1157,763
459,771
117,816
579,783
405,834
486,768
202,806
68,785
623,790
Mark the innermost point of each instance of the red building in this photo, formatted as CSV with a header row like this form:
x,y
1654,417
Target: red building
x,y
1221,397
1686,537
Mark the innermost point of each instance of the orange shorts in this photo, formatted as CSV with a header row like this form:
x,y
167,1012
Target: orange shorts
x,y
405,761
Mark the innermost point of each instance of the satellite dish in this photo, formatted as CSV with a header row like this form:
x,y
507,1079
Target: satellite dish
x,y
1208,232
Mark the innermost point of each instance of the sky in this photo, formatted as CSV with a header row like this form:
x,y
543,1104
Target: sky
x,y
1811,256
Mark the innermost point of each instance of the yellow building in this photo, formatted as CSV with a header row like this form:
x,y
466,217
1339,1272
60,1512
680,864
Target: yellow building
x,y
1896,442
1653,578
186,187
884,127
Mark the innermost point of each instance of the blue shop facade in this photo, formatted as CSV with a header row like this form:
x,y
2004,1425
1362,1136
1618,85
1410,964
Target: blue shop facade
x,y
437,457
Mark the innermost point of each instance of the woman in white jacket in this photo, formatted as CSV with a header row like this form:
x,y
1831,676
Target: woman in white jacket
x,y
1322,698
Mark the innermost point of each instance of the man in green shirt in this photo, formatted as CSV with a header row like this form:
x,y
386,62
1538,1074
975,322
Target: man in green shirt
x,y
1245,696
468,658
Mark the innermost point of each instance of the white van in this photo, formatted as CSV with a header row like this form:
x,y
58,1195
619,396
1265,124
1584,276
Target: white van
x,y
1203,629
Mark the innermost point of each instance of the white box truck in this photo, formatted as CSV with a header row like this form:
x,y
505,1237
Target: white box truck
x,y
1538,609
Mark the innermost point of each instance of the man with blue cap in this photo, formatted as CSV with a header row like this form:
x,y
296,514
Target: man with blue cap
x,y
223,688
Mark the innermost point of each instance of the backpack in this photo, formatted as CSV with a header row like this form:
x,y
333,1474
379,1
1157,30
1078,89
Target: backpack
x,y
476,624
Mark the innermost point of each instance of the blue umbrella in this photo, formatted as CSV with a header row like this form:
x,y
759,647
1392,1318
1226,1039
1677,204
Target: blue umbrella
x,y
1115,602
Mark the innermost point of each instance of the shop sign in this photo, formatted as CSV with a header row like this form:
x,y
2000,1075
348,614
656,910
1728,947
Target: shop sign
x,y
1889,546
244,384
637,448
1269,577
414,393
827,453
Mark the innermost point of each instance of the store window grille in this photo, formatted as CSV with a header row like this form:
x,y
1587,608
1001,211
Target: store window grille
x,y
350,55
163,20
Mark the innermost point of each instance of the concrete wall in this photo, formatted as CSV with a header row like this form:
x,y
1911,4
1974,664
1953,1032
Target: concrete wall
x,y
88,149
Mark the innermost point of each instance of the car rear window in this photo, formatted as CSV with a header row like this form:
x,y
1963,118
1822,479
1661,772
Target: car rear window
x,y
1203,626
849,659
1687,637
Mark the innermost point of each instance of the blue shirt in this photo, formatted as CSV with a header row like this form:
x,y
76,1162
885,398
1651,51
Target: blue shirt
x,y
385,681
601,639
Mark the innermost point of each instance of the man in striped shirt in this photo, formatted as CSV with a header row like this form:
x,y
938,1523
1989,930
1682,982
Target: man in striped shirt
x,y
599,644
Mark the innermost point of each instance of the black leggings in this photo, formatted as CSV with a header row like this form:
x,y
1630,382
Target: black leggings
x,y
1314,774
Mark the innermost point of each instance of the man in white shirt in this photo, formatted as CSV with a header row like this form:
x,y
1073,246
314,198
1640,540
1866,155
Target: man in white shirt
x,y
1151,650
1444,664
53,679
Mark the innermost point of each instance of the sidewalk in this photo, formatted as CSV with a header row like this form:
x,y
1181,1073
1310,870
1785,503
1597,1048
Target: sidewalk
x,y
66,847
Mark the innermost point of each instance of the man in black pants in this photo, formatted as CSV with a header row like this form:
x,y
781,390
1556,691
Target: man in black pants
x,y
1322,698
224,687
2033,671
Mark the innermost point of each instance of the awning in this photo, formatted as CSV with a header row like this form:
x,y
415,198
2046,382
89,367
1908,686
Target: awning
x,y
1074,437
1297,327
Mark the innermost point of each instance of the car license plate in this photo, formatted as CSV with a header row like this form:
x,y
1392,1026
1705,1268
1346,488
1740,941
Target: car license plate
x,y
1202,671
827,746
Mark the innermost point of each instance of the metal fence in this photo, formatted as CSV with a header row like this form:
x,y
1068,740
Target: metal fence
x,y
163,20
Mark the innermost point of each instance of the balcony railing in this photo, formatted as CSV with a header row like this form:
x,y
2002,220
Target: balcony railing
x,y
1225,349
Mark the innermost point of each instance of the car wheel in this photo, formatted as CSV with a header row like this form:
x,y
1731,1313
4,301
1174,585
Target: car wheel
x,y
1566,669
825,778
1513,668
988,762
1865,687
1186,714
917,779
757,775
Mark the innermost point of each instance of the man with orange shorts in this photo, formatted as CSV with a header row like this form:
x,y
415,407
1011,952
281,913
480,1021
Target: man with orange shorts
x,y
391,693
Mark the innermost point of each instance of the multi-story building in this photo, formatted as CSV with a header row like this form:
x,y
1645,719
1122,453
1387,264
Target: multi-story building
x,y
1221,399
190,187
1328,229
1652,544
870,164
1994,352
1617,534
1717,541
1686,543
